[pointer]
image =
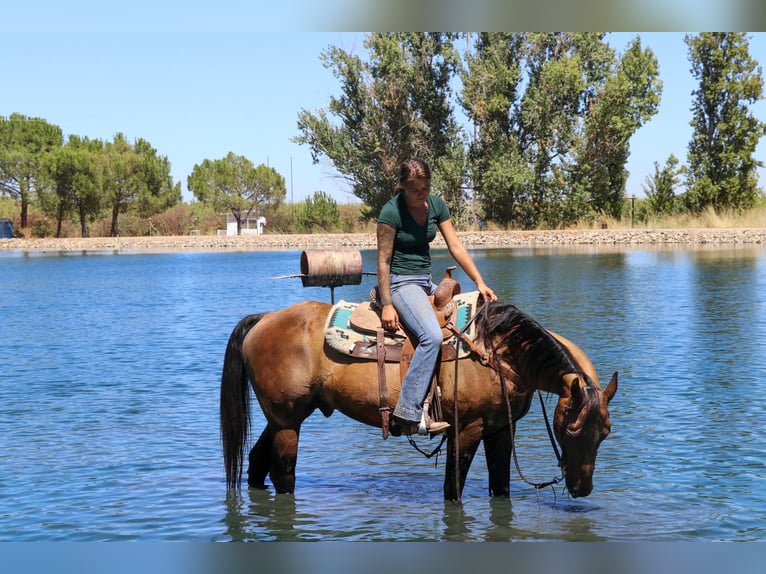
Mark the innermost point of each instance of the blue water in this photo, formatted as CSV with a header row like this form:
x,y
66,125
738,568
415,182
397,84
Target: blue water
x,y
110,367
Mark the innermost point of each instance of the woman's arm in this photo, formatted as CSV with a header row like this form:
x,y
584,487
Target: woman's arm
x,y
460,254
386,235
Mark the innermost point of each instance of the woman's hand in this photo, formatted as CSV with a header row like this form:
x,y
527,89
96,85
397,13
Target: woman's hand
x,y
489,294
390,318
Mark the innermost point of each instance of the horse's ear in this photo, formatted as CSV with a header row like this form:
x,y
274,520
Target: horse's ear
x,y
575,428
575,390
611,388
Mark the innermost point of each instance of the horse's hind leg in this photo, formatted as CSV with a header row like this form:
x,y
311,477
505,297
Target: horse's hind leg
x,y
497,451
284,455
274,454
260,460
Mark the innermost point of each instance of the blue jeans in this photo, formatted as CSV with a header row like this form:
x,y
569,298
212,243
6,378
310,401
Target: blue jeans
x,y
409,294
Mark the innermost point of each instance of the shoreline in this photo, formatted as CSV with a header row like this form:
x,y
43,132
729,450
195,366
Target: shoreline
x,y
754,237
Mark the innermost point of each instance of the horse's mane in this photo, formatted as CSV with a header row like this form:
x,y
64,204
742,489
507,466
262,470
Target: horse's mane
x,y
519,339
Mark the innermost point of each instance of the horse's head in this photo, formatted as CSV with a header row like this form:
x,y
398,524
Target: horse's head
x,y
581,422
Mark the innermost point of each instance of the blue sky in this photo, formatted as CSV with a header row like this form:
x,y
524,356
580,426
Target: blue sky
x,y
198,94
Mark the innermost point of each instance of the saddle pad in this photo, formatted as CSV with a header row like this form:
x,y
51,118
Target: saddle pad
x,y
341,335
466,306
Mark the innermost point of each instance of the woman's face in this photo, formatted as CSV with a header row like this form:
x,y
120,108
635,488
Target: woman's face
x,y
417,188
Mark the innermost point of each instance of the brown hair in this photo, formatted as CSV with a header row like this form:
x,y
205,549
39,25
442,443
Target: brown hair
x,y
413,168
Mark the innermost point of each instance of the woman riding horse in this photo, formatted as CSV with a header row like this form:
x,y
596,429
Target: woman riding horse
x,y
283,355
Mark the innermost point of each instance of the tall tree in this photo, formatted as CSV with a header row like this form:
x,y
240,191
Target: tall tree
x,y
395,104
491,88
553,113
25,143
721,163
233,184
134,175
158,192
626,100
76,172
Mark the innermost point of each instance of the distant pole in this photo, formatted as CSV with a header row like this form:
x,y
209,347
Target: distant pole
x,y
632,209
292,201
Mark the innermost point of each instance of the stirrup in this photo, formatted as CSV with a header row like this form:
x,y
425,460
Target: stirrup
x,y
427,426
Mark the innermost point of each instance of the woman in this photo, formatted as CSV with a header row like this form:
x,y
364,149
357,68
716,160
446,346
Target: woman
x,y
406,225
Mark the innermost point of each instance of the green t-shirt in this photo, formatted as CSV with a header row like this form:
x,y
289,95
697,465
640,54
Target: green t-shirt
x,y
412,255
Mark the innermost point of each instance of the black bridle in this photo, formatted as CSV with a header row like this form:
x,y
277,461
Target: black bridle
x,y
494,363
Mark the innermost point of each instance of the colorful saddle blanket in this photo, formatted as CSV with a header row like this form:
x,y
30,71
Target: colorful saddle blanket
x,y
351,330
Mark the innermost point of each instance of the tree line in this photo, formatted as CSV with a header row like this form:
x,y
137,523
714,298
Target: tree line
x,y
550,117
545,138
82,178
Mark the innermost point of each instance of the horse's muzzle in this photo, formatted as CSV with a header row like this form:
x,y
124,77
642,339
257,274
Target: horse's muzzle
x,y
582,485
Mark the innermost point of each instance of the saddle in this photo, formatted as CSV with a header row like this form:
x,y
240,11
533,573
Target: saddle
x,y
352,328
356,330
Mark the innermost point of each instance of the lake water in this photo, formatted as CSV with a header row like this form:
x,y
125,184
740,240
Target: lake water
x,y
110,369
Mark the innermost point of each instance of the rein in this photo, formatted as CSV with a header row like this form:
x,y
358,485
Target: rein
x,y
493,363
514,452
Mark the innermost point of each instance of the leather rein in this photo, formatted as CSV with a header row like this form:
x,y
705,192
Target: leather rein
x,y
494,363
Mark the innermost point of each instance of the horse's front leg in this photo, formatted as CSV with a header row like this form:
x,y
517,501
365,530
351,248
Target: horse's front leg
x,y
468,439
260,460
497,451
284,454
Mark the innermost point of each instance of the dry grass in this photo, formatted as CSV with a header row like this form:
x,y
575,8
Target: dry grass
x,y
709,218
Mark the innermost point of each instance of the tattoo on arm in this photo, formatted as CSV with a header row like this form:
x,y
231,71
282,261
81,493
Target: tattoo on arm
x,y
386,235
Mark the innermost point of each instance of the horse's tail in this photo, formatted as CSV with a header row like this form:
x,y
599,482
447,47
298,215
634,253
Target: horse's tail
x,y
235,402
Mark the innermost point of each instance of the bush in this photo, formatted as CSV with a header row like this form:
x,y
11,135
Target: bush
x,y
319,212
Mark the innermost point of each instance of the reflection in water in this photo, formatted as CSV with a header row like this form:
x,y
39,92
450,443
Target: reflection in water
x,y
458,523
259,515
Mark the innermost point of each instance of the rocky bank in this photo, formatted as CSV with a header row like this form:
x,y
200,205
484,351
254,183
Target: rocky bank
x,y
488,239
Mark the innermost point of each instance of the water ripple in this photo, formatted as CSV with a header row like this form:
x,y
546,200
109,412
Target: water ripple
x,y
111,367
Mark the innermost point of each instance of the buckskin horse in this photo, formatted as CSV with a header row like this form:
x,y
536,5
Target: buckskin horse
x,y
284,356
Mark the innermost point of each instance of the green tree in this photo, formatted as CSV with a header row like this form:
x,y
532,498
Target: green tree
x,y
395,104
660,188
626,100
135,177
25,143
157,191
491,87
722,169
318,212
76,172
233,184
553,113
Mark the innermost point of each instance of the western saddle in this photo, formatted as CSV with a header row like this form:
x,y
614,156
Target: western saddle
x,y
366,317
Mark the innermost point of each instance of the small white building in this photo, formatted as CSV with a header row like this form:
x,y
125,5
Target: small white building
x,y
252,224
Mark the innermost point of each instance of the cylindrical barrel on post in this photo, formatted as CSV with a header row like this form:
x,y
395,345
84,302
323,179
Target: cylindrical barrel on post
x,y
331,267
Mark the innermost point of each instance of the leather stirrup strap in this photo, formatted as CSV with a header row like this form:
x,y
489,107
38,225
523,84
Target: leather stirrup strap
x,y
384,408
